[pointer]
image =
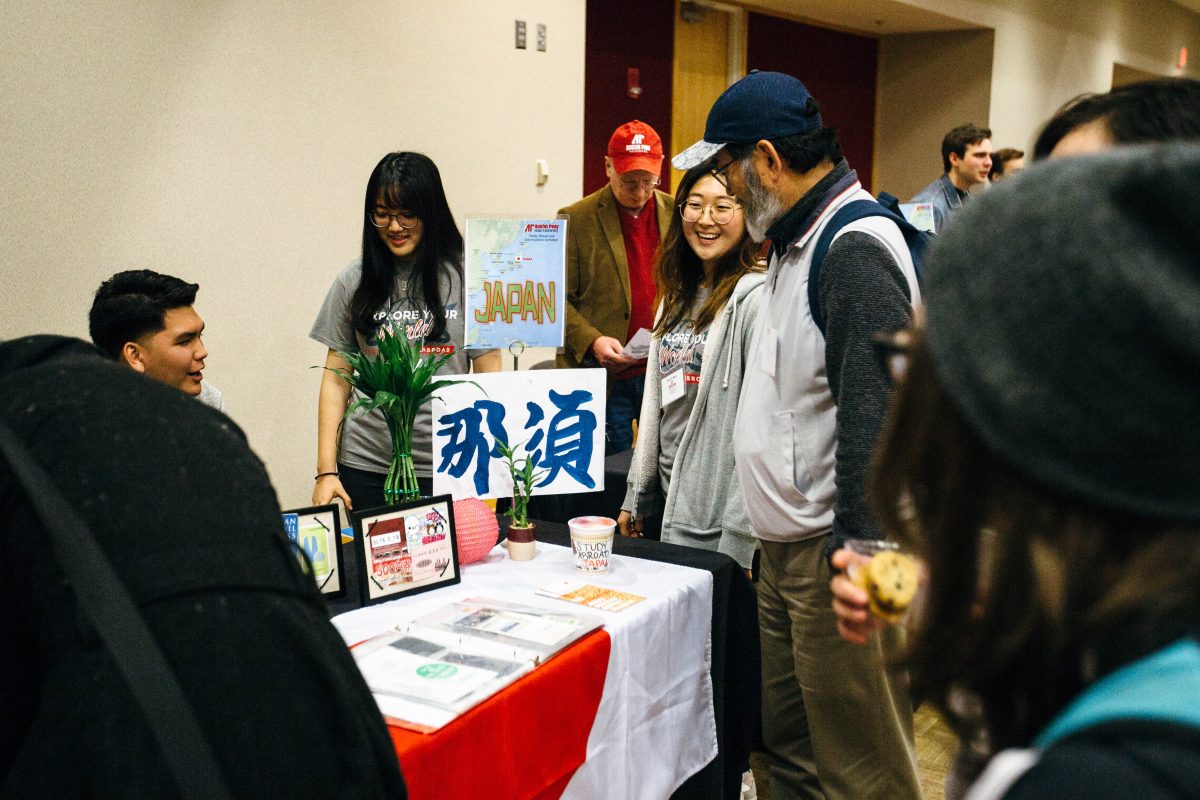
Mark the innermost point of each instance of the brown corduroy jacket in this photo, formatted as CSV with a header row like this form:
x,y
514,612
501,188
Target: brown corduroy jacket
x,y
598,272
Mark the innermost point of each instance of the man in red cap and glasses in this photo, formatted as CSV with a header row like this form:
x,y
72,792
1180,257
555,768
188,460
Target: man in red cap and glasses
x,y
612,237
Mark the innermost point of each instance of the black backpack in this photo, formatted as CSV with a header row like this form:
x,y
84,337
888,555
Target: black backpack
x,y
888,206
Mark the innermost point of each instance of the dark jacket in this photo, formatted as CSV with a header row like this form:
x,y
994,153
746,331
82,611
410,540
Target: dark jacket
x,y
1132,734
1126,760
184,511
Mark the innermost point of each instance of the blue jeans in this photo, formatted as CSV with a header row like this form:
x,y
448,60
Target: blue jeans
x,y
624,405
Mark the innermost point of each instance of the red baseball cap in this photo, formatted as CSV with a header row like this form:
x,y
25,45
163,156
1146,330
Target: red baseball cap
x,y
635,145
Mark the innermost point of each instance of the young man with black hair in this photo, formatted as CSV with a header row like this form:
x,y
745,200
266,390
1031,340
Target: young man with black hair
x,y
966,162
837,721
144,320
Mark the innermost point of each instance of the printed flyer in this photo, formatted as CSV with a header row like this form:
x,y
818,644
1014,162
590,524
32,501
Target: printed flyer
x,y
427,673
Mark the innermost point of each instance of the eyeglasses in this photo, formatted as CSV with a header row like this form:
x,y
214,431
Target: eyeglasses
x,y
719,173
645,184
893,350
722,211
381,218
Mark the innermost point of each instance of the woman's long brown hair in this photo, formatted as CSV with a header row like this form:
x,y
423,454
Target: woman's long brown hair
x,y
678,271
1032,594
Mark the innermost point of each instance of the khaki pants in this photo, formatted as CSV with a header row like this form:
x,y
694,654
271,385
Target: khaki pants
x,y
837,725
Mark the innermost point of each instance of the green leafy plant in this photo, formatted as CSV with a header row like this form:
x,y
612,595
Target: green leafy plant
x,y
524,474
397,381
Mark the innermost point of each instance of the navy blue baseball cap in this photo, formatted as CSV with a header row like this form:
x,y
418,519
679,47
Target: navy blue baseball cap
x,y
762,105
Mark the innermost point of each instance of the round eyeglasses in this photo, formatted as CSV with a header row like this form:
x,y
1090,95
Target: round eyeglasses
x,y
382,219
722,211
643,185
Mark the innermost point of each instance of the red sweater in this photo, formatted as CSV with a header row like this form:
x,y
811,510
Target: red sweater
x,y
641,243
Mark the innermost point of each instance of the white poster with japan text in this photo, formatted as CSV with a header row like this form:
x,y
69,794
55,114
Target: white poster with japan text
x,y
556,416
515,289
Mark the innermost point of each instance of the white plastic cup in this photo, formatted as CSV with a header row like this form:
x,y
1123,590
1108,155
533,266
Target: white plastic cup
x,y
591,543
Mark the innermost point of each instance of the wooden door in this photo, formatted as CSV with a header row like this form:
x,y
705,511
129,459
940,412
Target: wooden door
x,y
702,70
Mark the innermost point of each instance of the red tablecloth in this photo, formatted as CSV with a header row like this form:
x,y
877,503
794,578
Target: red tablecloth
x,y
525,742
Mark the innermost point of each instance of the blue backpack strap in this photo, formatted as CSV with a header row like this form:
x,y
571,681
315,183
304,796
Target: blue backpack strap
x,y
917,241
851,212
890,202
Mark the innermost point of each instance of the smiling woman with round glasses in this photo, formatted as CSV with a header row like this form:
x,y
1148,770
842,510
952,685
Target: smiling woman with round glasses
x,y
708,287
409,278
723,210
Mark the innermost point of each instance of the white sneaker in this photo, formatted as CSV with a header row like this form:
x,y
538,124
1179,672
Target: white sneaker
x,y
749,792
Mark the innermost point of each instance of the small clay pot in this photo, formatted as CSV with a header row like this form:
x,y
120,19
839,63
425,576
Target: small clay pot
x,y
522,542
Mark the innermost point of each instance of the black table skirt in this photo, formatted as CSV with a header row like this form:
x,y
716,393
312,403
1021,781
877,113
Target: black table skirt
x,y
562,507
736,675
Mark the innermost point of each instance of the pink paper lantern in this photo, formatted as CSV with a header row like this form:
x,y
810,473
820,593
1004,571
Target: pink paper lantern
x,y
476,528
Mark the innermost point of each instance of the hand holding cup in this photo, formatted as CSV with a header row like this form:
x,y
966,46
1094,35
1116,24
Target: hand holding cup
x,y
876,586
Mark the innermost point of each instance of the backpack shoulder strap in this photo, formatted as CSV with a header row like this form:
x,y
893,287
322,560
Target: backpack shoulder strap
x,y
890,202
888,206
916,239
851,212
106,602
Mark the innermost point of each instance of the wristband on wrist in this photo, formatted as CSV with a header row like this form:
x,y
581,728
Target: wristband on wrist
x,y
323,474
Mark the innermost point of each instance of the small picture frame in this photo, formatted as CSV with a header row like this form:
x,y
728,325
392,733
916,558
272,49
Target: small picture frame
x,y
317,531
406,549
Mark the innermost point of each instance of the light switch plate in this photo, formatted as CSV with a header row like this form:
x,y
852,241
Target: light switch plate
x,y
520,34
541,36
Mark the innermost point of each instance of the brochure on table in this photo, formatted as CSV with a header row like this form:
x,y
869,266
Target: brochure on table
x,y
590,595
426,673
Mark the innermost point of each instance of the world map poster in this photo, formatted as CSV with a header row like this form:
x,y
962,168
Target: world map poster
x,y
516,289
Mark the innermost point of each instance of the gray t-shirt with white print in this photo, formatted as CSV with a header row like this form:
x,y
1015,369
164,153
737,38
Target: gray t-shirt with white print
x,y
680,355
366,443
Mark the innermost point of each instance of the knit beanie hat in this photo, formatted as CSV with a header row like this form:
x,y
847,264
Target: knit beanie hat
x,y
1063,318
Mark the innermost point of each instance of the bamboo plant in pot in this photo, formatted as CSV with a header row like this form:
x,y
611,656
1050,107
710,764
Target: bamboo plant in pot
x,y
522,534
397,381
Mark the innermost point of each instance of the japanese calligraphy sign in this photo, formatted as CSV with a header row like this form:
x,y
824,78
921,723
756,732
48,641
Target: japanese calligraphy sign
x,y
556,416
515,288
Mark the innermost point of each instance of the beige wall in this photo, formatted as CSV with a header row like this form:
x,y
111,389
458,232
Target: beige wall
x,y
918,103
229,143
1053,51
1044,53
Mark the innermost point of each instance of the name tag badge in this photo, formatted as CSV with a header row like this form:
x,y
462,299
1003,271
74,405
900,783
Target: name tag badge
x,y
672,387
769,350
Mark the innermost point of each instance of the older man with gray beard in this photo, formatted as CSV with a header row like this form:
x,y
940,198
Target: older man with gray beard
x,y
837,721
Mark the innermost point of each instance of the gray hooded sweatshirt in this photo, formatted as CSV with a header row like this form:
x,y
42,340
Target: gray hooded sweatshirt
x,y
704,505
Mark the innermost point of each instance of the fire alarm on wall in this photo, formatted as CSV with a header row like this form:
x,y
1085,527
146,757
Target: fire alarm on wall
x,y
633,82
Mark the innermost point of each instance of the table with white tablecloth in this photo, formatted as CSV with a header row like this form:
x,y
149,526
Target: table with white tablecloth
x,y
654,725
